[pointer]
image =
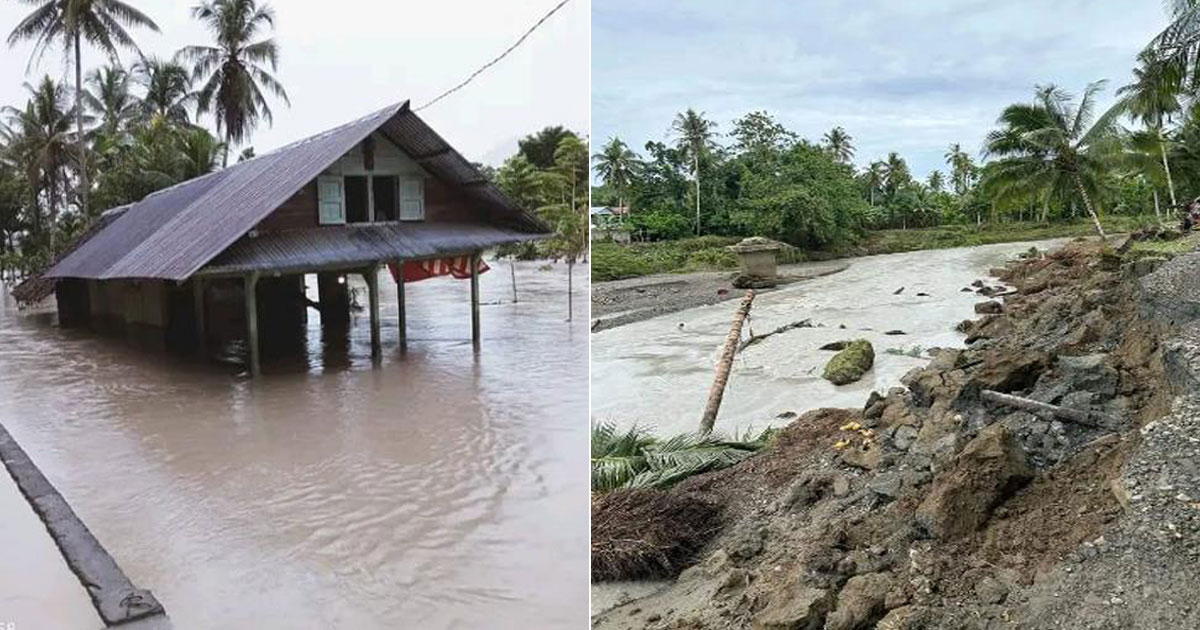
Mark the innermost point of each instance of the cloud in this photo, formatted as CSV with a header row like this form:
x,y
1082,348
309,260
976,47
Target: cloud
x,y
908,77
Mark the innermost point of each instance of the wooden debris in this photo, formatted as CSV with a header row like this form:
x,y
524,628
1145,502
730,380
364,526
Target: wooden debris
x,y
1078,416
717,391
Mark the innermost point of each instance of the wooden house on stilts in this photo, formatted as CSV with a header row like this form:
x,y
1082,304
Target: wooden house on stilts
x,y
382,190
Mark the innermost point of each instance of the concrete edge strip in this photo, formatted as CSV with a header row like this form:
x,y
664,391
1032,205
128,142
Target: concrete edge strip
x,y
115,598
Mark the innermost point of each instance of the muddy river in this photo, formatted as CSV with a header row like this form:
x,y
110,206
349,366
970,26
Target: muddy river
x,y
443,489
656,373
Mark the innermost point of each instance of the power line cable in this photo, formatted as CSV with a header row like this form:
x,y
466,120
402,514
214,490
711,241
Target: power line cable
x,y
497,59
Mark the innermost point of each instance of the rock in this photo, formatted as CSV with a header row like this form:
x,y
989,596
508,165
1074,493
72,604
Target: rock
x,y
875,405
904,437
966,290
1089,372
787,415
860,602
922,294
841,486
867,455
988,470
886,484
836,345
747,281
895,332
989,590
849,364
1008,371
977,284
990,307
796,607
897,619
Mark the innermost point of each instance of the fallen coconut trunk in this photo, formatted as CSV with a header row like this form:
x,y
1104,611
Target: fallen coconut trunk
x,y
1078,416
717,391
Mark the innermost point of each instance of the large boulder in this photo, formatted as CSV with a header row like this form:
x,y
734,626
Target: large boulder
x,y
860,602
849,364
988,470
795,607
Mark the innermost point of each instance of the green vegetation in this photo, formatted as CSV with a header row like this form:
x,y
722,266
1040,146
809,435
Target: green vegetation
x,y
637,459
1049,164
947,236
122,133
850,363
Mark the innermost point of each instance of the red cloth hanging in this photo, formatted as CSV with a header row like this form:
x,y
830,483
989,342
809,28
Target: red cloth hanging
x,y
458,267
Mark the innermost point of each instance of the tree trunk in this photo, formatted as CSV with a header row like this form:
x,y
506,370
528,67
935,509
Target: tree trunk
x,y
717,391
83,174
570,296
1157,212
225,157
1162,146
696,168
1087,203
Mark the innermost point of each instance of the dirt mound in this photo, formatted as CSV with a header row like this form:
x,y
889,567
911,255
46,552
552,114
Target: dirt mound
x,y
643,534
936,507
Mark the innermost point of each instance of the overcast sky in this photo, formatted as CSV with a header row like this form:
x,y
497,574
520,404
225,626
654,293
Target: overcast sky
x,y
899,76
345,59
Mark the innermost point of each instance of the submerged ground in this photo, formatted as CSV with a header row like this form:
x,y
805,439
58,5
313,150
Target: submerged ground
x,y
441,490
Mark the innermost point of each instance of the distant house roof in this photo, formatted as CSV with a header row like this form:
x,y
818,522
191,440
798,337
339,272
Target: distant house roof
x,y
173,233
601,210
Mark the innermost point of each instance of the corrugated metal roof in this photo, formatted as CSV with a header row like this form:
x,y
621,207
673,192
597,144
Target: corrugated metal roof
x,y
351,245
38,288
174,232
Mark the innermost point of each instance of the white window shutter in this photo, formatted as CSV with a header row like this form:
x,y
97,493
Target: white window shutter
x,y
331,200
412,199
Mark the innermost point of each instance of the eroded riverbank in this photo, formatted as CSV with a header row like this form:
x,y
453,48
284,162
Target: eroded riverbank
x,y
439,490
944,508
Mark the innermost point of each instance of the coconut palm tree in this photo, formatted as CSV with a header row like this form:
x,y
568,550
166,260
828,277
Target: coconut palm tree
x,y
616,165
102,24
200,151
839,144
234,72
694,138
936,182
109,99
168,88
41,144
1179,43
876,178
1152,99
960,168
896,174
1055,145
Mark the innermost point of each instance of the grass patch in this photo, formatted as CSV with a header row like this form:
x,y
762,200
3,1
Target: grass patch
x,y
947,236
611,261
1166,249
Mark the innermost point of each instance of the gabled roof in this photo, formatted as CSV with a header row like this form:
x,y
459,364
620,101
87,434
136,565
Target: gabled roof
x,y
173,233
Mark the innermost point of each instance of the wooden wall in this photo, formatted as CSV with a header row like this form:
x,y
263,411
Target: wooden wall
x,y
442,203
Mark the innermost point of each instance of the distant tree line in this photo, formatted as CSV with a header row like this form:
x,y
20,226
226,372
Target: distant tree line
x,y
1054,158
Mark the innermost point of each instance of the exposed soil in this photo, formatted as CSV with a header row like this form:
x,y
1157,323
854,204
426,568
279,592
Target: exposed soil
x,y
932,508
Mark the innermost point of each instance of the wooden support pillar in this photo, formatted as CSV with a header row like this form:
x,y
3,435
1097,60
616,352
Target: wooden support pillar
x,y
201,324
403,324
252,354
371,275
475,299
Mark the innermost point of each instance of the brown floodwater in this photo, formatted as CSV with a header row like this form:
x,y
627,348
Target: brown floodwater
x,y
441,489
